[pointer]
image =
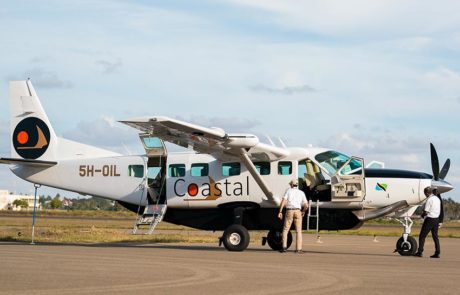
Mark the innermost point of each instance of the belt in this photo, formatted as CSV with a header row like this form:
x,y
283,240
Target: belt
x,y
292,208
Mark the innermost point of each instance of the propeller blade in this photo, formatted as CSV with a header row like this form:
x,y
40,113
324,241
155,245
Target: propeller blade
x,y
444,170
434,162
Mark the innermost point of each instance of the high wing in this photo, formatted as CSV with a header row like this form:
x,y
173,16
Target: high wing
x,y
214,141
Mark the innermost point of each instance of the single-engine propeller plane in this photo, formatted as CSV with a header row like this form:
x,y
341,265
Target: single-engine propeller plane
x,y
228,182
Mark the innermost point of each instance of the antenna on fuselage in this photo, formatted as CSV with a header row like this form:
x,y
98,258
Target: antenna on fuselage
x,y
270,140
282,142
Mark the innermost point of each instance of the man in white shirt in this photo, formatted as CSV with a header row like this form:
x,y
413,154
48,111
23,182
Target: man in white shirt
x,y
431,222
294,199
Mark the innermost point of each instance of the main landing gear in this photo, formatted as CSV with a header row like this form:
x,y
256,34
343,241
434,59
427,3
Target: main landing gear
x,y
407,244
275,240
236,236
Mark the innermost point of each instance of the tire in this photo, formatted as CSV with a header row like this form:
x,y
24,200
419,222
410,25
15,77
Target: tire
x,y
275,240
236,238
406,249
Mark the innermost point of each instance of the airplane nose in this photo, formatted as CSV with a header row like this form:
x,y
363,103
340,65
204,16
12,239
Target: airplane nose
x,y
442,186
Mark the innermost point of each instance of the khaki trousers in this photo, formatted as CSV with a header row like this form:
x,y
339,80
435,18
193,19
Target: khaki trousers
x,y
296,216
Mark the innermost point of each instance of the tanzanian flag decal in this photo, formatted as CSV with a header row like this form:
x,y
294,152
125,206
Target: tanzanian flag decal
x,y
381,187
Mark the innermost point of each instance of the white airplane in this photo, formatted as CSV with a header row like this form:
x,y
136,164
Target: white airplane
x,y
229,182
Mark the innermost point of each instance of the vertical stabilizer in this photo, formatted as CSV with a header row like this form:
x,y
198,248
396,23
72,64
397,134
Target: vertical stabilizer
x,y
32,134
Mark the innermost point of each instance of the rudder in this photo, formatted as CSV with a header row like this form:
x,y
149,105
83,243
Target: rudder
x,y
32,134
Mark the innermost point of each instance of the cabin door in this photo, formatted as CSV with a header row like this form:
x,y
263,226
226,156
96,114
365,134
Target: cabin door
x,y
156,152
348,183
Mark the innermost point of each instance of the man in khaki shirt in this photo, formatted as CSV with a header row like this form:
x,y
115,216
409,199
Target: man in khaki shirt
x,y
294,200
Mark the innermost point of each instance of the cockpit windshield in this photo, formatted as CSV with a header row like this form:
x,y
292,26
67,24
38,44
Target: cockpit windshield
x,y
332,161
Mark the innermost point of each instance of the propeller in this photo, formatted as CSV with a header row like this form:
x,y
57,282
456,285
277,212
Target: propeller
x,y
438,175
434,162
444,169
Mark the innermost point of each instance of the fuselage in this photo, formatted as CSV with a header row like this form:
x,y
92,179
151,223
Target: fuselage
x,y
190,180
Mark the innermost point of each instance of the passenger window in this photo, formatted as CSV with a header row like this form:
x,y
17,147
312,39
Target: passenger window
x,y
230,169
263,167
136,171
284,168
200,170
176,170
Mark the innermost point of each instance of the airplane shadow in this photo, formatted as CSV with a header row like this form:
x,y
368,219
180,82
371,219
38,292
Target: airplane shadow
x,y
189,247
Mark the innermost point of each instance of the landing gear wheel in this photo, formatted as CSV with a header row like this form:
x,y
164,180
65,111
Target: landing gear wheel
x,y
275,239
235,238
406,248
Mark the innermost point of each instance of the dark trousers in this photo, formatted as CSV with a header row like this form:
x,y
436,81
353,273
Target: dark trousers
x,y
429,224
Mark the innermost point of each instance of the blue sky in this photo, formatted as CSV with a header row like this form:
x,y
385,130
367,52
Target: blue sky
x,y
374,79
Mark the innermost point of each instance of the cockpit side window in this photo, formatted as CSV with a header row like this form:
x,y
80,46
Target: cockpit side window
x,y
332,161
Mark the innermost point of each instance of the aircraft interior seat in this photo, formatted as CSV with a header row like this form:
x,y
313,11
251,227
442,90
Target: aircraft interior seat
x,y
310,178
320,180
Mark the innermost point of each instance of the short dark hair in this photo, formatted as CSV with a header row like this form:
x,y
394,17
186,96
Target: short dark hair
x,y
427,190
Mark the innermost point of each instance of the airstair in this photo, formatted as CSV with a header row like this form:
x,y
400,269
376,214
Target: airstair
x,y
313,215
150,218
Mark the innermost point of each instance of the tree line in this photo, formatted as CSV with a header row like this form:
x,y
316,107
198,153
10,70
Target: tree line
x,y
92,203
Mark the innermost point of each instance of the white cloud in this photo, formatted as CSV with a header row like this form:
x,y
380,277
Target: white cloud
x,y
289,90
105,133
109,67
444,78
375,19
385,64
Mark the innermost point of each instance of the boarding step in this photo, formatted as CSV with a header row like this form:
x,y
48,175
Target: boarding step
x,y
150,218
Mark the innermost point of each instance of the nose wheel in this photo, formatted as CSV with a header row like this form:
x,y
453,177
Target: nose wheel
x,y
406,247
406,244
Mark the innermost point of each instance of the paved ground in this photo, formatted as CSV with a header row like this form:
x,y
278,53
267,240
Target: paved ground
x,y
341,264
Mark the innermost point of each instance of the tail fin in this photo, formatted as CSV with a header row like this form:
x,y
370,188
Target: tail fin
x,y
33,137
32,134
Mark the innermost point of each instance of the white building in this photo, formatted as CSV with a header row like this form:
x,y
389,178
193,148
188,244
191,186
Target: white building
x,y
7,199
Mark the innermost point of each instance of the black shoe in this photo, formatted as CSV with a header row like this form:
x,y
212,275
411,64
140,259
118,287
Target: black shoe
x,y
418,254
299,251
435,255
283,250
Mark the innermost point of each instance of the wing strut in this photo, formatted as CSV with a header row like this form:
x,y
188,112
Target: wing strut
x,y
252,169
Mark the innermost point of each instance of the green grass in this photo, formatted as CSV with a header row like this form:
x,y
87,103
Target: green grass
x,y
112,227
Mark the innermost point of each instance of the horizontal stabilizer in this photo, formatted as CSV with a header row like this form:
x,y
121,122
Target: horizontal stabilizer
x,y
34,163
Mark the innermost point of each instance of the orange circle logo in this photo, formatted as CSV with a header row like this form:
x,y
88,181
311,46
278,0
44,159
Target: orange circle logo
x,y
192,189
31,138
23,137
